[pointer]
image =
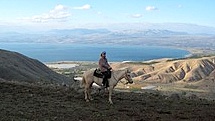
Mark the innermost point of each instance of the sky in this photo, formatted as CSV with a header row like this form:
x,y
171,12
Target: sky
x,y
77,13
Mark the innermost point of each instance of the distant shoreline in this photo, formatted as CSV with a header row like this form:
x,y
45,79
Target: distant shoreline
x,y
68,64
195,52
201,52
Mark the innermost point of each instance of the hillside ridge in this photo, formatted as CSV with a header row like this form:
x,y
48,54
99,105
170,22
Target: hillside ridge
x,y
17,67
187,70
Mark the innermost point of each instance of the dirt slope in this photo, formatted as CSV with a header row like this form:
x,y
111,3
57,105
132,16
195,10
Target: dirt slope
x,y
30,102
17,67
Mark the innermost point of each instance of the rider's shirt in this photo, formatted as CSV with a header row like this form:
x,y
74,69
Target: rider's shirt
x,y
103,64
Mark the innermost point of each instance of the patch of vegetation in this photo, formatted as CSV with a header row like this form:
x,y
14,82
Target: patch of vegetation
x,y
134,89
191,86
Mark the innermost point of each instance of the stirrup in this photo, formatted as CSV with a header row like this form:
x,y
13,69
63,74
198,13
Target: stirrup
x,y
103,86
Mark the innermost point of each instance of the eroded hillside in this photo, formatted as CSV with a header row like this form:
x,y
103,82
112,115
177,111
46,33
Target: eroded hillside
x,y
187,70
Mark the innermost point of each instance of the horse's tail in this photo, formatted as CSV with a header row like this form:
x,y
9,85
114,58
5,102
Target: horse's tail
x,y
83,82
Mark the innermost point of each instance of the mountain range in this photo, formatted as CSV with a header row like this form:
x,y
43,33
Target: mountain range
x,y
177,27
160,34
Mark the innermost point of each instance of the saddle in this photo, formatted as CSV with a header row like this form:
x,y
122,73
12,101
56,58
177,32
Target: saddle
x,y
98,73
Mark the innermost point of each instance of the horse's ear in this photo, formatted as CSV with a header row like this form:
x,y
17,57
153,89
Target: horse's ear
x,y
128,70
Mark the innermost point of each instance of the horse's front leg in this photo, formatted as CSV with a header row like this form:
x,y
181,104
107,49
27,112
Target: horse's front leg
x,y
110,94
87,93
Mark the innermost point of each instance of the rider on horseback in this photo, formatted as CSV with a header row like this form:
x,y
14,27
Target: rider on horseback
x,y
105,68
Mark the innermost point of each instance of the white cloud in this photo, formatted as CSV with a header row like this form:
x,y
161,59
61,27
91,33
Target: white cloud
x,y
99,12
136,15
59,13
151,8
179,6
84,7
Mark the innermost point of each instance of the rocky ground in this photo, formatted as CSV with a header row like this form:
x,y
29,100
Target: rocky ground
x,y
33,102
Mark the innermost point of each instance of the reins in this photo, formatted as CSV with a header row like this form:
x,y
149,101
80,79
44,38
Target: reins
x,y
120,80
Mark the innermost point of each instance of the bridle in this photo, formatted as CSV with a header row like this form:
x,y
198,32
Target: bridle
x,y
126,77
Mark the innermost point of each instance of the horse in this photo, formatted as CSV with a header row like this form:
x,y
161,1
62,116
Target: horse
x,y
116,75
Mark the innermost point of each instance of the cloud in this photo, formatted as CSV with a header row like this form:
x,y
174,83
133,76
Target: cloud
x,y
151,8
84,7
179,6
59,13
99,12
136,15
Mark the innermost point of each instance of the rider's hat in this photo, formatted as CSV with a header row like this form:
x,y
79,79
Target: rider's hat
x,y
103,53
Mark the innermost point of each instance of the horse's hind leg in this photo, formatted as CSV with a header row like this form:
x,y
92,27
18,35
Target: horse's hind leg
x,y
89,92
86,93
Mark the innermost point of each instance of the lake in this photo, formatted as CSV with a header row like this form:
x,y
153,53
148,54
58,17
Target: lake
x,y
47,52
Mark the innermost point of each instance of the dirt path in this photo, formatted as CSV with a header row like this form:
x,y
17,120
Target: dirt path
x,y
30,102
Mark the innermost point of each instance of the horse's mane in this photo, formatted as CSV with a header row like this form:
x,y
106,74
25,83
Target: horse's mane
x,y
124,69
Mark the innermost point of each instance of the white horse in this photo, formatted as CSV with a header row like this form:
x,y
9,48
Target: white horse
x,y
88,79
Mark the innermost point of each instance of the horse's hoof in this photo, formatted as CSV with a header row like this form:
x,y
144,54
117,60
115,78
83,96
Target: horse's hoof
x,y
111,102
91,99
87,100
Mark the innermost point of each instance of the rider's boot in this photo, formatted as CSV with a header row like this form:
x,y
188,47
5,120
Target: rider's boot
x,y
103,83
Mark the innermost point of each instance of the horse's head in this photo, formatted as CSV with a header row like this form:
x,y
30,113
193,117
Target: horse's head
x,y
128,76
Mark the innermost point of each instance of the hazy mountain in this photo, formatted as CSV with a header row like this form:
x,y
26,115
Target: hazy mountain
x,y
154,34
150,32
78,31
177,27
88,34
